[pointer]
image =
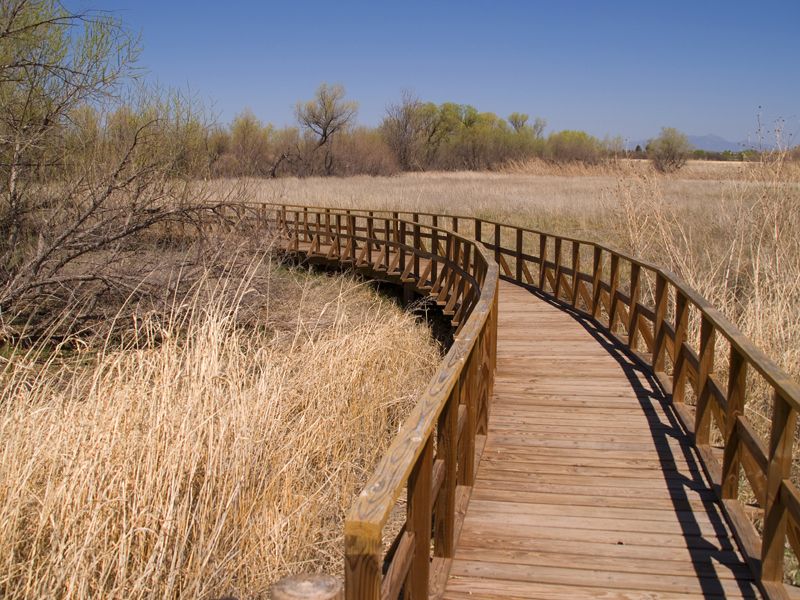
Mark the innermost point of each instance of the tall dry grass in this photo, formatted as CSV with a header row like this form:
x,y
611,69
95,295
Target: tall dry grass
x,y
731,230
203,457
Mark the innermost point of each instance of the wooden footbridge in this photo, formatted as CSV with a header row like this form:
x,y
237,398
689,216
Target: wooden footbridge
x,y
586,435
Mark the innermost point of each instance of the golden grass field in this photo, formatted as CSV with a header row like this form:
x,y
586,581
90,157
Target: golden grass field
x,y
205,458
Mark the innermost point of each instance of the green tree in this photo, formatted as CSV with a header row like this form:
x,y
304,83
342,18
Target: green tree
x,y
573,146
323,117
669,151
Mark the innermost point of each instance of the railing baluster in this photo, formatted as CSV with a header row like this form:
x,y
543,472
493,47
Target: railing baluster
x,y
597,280
418,247
737,382
447,450
680,367
784,420
557,261
660,314
419,523
519,255
542,259
576,262
633,309
613,283
497,243
702,423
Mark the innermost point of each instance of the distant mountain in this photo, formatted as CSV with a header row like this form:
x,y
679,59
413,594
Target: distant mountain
x,y
714,143
709,142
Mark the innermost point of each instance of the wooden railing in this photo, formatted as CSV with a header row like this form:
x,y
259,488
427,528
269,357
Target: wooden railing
x,y
696,353
433,456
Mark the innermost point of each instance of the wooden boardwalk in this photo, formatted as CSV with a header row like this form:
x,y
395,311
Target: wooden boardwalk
x,y
587,486
596,478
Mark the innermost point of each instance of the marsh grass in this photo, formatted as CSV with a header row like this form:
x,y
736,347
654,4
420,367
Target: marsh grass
x,y
207,454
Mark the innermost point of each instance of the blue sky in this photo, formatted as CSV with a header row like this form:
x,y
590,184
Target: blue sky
x,y
624,68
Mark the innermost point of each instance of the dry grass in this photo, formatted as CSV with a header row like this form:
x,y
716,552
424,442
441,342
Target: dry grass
x,y
206,458
729,229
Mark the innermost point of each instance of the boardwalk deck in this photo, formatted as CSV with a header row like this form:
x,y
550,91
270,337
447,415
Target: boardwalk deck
x,y
587,487
592,480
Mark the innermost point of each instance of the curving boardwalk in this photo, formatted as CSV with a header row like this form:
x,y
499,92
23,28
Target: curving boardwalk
x,y
587,486
585,436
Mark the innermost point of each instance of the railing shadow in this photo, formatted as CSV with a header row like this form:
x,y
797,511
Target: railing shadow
x,y
706,557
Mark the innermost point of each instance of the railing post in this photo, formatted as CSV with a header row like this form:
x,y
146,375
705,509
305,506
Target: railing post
x,y
557,270
351,232
497,243
702,422
386,238
477,230
680,366
402,248
779,468
597,279
633,309
419,523
613,283
447,450
370,238
466,472
576,263
417,247
737,382
542,259
519,255
659,335
362,564
338,244
434,250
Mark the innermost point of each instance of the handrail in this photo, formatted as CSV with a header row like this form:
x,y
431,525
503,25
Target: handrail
x,y
646,306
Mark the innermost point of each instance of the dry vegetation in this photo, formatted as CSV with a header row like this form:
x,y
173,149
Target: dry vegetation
x,y
729,229
213,451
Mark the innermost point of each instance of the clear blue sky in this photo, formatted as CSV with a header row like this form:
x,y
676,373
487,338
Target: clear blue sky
x,y
624,68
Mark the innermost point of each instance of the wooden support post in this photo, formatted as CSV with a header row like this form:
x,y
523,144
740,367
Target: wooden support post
x,y
779,468
477,230
497,243
362,565
576,265
519,255
737,383
418,522
613,283
633,309
679,373
597,278
702,421
434,250
417,246
557,261
447,450
402,247
659,336
542,259
386,239
351,232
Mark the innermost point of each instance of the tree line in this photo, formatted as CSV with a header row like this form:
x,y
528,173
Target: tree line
x,y
327,140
